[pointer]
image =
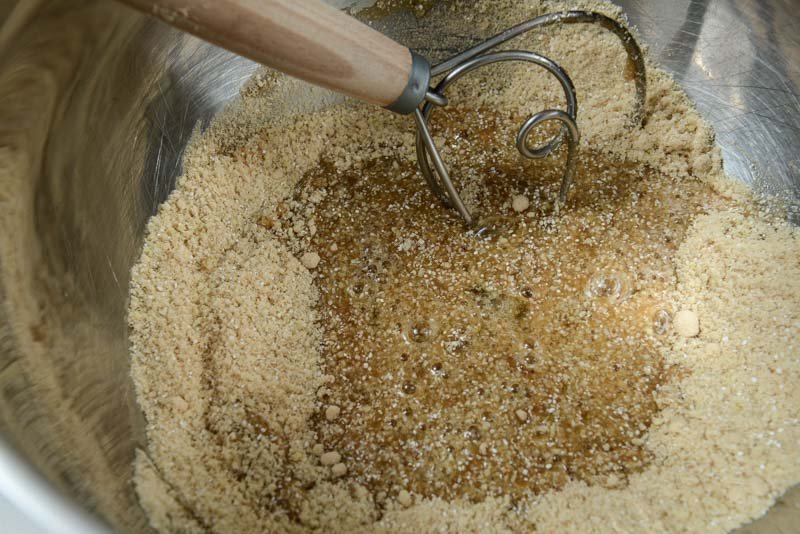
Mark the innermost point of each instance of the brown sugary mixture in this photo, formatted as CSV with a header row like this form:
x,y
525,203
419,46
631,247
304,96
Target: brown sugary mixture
x,y
470,365
317,343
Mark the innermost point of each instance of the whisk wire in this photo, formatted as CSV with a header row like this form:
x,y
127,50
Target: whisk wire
x,y
438,176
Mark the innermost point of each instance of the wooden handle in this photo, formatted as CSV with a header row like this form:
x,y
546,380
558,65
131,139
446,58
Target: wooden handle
x,y
306,39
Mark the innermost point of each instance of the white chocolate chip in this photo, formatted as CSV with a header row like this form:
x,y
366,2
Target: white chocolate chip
x,y
686,323
520,203
310,260
180,403
404,498
332,412
339,469
330,458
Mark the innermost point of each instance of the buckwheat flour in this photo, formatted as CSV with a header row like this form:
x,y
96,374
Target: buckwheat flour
x,y
262,284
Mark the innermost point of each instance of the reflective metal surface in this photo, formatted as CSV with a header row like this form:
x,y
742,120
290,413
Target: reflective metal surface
x,y
97,103
739,61
96,106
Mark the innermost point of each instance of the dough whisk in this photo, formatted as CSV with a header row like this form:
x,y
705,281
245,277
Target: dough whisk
x,y
324,46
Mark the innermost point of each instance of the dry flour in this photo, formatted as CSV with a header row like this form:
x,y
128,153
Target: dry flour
x,y
228,347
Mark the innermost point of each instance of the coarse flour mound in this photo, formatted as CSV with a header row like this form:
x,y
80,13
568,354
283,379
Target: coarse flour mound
x,y
229,349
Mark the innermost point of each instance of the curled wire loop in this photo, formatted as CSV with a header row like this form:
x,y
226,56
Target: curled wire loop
x,y
428,156
440,181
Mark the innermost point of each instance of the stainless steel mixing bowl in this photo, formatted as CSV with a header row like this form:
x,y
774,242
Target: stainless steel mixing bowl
x,y
96,106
